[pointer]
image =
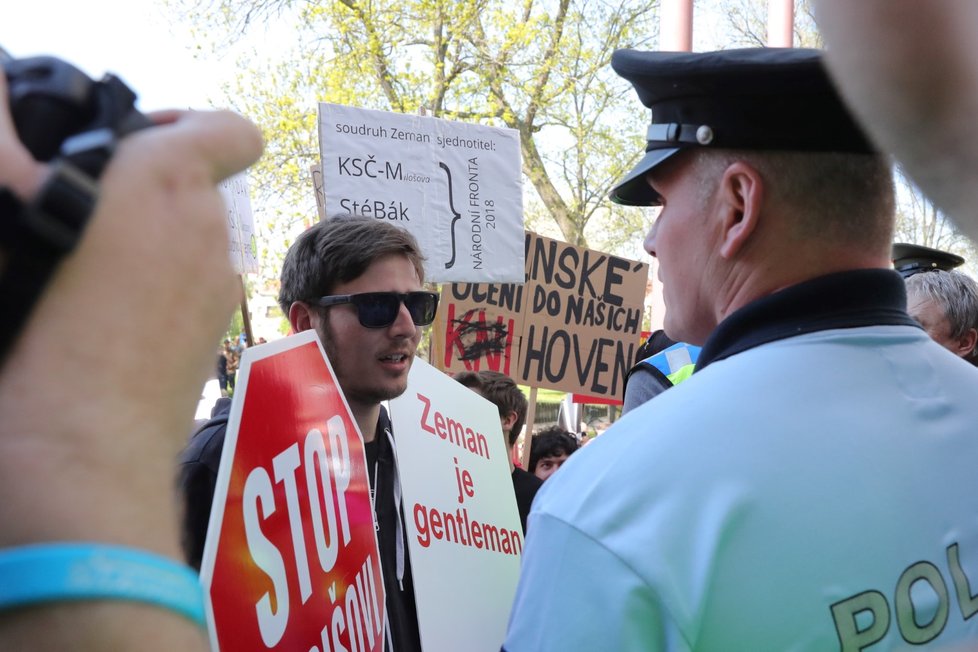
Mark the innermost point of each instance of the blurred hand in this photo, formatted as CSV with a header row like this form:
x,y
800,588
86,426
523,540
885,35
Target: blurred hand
x,y
909,71
98,394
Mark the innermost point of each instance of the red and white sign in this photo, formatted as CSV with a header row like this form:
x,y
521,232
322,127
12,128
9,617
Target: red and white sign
x,y
291,558
464,532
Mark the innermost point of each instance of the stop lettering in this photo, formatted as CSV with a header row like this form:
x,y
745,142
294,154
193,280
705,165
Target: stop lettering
x,y
291,560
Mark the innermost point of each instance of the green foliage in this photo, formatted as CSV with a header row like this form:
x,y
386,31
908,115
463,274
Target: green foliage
x,y
546,395
235,327
538,67
284,327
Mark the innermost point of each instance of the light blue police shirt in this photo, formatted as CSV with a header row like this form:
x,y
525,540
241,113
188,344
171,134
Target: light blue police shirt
x,y
813,493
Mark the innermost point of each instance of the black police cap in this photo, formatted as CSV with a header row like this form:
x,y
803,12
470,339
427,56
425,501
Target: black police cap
x,y
910,259
753,98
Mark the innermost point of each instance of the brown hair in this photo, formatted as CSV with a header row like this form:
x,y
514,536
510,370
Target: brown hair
x,y
501,390
339,250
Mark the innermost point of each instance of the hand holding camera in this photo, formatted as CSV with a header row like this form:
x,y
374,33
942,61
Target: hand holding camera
x,y
73,123
98,387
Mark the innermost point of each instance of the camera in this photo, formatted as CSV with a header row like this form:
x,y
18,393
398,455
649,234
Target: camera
x,y
66,119
61,113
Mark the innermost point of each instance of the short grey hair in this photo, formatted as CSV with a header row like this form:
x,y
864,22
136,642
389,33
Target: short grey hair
x,y
954,292
836,197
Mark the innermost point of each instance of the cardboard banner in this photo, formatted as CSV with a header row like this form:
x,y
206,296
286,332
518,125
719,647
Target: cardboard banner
x,y
604,400
243,246
456,187
464,533
291,559
573,326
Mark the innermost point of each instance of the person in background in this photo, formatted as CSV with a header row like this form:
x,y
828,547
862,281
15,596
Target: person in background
x,y
232,356
222,367
86,454
550,449
910,259
660,364
946,305
942,300
502,391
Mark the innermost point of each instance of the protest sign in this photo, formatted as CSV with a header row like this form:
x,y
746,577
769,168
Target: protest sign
x,y
243,247
316,171
456,187
573,326
604,400
290,561
478,326
464,533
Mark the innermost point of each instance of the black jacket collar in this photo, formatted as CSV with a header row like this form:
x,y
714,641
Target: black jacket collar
x,y
866,297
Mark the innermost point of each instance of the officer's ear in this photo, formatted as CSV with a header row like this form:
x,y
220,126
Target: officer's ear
x,y
740,195
302,316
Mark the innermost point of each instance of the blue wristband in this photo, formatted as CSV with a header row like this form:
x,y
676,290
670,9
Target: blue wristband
x,y
59,572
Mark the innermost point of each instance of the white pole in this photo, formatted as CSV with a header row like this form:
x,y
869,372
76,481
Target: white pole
x,y
780,23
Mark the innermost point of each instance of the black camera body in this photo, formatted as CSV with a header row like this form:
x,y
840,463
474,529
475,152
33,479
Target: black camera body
x,y
73,123
60,112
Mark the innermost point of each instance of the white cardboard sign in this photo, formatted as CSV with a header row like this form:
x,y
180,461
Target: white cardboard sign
x,y
464,532
243,247
457,187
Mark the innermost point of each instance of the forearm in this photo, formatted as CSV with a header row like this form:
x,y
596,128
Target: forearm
x,y
909,70
99,627
64,478
97,392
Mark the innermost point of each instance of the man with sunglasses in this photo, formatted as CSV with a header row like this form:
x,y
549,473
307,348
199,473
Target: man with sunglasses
x,y
358,283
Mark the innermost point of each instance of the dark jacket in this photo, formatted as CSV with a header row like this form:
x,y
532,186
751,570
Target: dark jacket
x,y
525,485
402,613
199,463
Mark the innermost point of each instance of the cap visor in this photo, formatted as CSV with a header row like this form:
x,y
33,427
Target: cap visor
x,y
633,190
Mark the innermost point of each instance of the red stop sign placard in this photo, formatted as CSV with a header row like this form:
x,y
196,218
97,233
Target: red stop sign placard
x,y
291,560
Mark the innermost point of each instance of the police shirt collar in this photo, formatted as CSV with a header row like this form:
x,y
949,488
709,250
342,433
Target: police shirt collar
x,y
865,297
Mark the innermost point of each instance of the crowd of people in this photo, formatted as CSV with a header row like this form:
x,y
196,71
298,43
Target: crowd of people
x,y
807,487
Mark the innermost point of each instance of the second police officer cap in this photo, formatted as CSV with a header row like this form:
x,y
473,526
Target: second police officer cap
x,y
910,259
754,98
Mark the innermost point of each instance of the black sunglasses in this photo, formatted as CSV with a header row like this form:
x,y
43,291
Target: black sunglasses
x,y
379,309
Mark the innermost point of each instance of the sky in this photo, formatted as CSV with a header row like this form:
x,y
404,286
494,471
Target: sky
x,y
131,38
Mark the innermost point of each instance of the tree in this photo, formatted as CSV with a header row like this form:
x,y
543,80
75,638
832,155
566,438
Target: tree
x,y
745,23
919,222
538,66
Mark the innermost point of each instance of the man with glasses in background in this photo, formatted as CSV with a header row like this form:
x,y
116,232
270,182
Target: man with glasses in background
x,y
358,283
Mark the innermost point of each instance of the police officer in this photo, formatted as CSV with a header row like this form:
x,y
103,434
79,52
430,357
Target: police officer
x,y
662,363
806,488
942,300
910,259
